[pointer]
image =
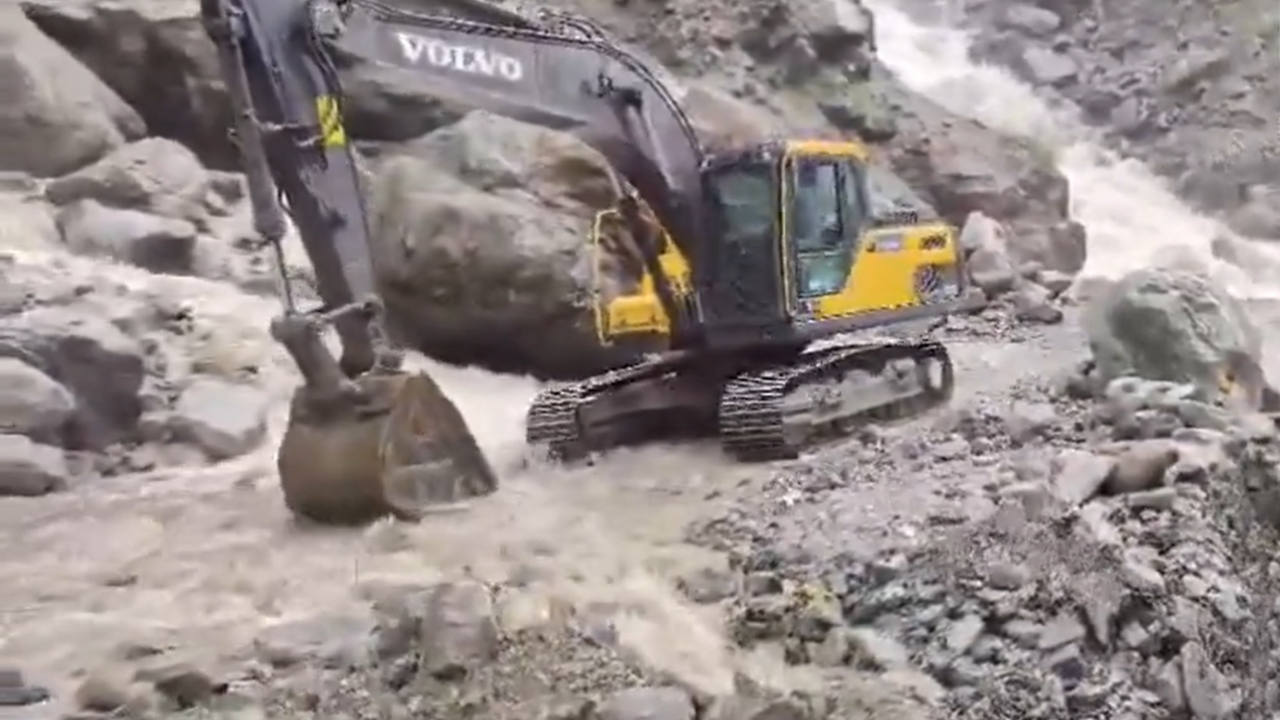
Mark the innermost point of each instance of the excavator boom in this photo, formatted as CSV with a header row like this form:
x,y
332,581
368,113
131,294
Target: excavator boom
x,y
366,439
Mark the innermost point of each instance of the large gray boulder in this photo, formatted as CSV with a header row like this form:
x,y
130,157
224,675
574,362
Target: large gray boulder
x,y
89,356
481,242
56,114
1171,325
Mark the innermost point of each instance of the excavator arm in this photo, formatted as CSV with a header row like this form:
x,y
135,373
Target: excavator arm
x,y
364,438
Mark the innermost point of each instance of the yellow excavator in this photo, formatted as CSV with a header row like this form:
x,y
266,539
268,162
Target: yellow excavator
x,y
749,258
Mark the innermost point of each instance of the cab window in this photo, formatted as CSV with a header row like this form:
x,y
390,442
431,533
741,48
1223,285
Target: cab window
x,y
746,198
820,245
817,225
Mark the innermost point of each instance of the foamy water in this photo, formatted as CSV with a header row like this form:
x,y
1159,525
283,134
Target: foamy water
x,y
176,558
1133,218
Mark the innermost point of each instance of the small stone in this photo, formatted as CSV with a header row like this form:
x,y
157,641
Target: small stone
x,y
964,633
1035,497
1024,632
1141,467
873,650
648,703
1007,576
1065,629
1142,577
183,683
951,449
103,691
708,585
223,419
761,583
1158,499
1067,664
1194,587
335,642
1025,421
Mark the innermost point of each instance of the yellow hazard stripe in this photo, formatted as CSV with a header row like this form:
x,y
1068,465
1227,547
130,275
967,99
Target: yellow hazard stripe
x,y
332,133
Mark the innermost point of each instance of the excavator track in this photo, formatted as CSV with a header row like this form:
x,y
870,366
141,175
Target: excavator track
x,y
757,426
764,413
552,419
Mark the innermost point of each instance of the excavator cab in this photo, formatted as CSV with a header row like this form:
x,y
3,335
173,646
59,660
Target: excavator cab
x,y
794,252
800,254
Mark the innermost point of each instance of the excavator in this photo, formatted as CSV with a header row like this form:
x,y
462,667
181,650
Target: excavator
x,y
757,261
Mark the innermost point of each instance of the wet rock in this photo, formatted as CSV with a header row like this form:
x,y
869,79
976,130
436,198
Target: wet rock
x,y
874,650
182,683
154,175
1034,303
16,692
104,691
1079,475
1026,421
1046,67
455,627
1030,19
223,419
30,469
648,703
331,641
32,403
1141,467
152,242
708,585
57,115
29,225
1173,326
988,262
93,359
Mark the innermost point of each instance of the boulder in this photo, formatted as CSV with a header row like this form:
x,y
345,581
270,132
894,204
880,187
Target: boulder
x,y
1170,325
28,223
960,166
153,175
481,243
986,246
57,115
32,403
29,469
156,56
90,357
152,242
221,418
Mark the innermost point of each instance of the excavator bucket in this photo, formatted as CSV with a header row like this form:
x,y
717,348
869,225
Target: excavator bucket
x,y
401,449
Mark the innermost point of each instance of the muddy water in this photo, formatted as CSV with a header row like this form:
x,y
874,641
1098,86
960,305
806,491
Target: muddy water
x,y
200,559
